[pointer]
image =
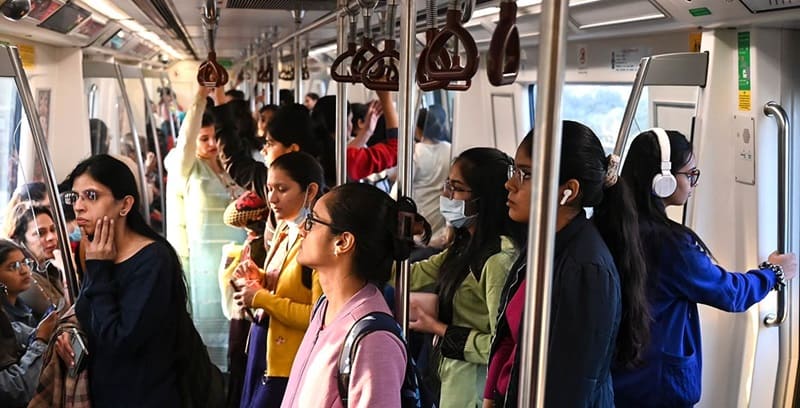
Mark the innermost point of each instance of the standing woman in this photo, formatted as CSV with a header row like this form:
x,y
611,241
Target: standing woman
x,y
133,292
681,274
469,274
351,239
598,307
198,190
283,289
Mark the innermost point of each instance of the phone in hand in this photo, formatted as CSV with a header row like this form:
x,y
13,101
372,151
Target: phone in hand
x,y
246,309
79,349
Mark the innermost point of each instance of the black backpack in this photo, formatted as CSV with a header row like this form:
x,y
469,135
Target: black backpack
x,y
410,396
200,382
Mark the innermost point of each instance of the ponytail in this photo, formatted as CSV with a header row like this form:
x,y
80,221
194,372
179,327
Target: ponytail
x,y
616,219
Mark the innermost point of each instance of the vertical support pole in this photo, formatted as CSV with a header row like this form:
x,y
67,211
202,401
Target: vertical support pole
x,y
159,158
144,208
276,81
405,146
544,190
298,69
43,154
341,100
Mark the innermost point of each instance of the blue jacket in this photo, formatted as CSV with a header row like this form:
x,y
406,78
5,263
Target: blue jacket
x,y
681,276
586,309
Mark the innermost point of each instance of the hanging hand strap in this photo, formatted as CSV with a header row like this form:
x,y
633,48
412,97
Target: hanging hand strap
x,y
502,64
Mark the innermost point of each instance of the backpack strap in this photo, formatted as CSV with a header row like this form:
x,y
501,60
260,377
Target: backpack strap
x,y
372,322
317,306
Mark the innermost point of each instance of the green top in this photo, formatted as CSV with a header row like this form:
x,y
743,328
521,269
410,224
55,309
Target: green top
x,y
475,310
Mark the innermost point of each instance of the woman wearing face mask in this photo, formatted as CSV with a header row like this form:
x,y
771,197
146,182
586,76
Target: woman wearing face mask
x,y
34,230
198,190
599,314
469,275
662,171
283,290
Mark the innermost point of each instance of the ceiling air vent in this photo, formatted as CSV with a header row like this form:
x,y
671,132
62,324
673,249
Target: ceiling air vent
x,y
760,6
282,4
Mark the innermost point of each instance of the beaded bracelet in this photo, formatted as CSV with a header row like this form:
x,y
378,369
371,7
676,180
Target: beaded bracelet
x,y
778,271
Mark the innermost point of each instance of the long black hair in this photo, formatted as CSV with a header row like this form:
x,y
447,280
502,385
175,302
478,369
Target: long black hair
x,y
118,178
485,171
583,159
373,218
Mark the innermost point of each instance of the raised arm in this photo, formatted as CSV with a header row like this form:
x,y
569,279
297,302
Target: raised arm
x,y
182,158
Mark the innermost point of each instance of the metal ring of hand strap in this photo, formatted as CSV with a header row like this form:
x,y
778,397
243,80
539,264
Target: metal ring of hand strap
x,y
502,63
456,72
442,60
352,48
210,73
381,72
367,50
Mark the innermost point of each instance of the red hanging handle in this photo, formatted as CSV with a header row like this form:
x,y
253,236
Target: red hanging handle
x,y
352,49
443,59
381,72
502,63
456,72
211,74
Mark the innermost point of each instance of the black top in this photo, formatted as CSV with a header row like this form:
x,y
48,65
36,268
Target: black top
x,y
129,313
586,309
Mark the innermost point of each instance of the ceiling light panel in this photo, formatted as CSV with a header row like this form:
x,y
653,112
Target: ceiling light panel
x,y
613,13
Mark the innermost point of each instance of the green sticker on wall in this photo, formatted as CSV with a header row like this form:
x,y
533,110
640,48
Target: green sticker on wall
x,y
743,71
225,62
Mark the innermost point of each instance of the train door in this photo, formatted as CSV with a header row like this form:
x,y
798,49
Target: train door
x,y
114,127
737,209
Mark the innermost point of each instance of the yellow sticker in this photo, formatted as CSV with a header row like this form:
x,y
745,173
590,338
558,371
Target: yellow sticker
x,y
744,100
27,53
694,41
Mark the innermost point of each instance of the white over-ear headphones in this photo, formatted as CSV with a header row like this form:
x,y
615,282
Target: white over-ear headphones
x,y
664,183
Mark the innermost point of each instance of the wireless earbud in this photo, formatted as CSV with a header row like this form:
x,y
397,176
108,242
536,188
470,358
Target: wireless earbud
x,y
565,196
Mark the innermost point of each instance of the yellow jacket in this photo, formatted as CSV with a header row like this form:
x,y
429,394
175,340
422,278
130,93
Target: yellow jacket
x,y
289,308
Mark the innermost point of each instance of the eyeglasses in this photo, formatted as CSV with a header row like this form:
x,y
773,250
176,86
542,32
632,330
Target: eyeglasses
x,y
520,174
310,220
450,190
71,197
17,265
693,175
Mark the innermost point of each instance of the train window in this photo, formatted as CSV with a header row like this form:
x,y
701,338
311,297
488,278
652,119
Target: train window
x,y
601,107
10,123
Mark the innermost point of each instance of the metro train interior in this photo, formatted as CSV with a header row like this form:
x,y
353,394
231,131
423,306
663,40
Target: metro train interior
x,y
84,77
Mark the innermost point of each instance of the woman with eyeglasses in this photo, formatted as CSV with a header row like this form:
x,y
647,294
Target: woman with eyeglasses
x,y
598,308
351,239
22,342
283,291
661,169
468,276
133,296
32,227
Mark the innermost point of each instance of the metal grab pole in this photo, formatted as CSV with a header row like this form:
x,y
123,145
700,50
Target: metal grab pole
x,y
341,101
783,397
159,165
298,70
276,80
145,206
544,186
630,109
405,145
172,125
43,153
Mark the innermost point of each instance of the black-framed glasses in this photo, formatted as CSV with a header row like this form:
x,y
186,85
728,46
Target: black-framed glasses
x,y
71,197
693,175
520,174
450,190
310,220
17,265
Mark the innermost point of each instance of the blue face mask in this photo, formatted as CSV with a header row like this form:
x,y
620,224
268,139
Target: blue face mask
x,y
75,235
453,212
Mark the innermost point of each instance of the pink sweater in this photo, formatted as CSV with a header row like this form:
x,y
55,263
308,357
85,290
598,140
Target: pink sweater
x,y
377,372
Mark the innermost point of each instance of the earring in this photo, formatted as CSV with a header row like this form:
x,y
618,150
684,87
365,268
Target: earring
x,y
335,251
566,195
123,213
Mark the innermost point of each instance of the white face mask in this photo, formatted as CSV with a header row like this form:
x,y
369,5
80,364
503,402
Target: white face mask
x,y
453,212
304,211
